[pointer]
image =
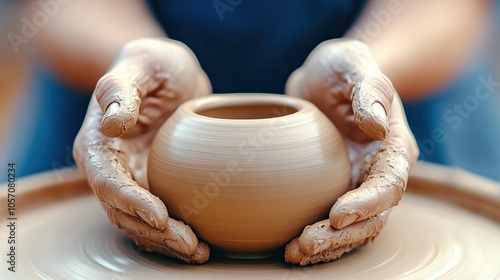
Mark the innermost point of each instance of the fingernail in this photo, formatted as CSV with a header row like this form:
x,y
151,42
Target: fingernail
x,y
112,109
147,217
349,219
379,126
110,125
379,111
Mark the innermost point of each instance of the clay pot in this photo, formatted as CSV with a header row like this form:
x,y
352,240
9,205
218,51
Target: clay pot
x,y
248,171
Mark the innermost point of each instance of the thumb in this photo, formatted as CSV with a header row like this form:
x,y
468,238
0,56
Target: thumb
x,y
342,78
371,100
161,67
119,94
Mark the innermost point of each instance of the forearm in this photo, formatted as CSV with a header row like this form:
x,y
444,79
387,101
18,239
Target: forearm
x,y
82,40
421,45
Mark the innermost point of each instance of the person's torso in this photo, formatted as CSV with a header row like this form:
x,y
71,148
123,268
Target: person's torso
x,y
253,46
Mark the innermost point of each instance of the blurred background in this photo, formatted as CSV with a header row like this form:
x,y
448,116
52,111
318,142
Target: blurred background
x,y
24,139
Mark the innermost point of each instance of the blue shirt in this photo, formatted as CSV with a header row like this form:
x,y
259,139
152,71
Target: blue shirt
x,y
254,45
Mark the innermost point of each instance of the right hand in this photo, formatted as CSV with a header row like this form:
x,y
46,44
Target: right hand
x,y
149,80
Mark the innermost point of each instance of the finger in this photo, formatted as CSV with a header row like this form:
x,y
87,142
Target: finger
x,y
119,94
294,255
342,79
176,235
371,102
387,176
159,105
322,236
104,160
201,255
145,66
114,185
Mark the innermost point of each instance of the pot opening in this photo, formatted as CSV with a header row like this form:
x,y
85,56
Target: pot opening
x,y
248,111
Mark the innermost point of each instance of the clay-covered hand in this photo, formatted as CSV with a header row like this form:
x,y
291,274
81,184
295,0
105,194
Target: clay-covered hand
x,y
343,80
149,80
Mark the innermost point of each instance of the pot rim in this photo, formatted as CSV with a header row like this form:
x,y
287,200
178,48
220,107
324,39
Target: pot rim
x,y
193,106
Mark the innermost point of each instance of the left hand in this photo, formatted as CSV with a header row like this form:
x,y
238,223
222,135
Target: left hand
x,y
343,80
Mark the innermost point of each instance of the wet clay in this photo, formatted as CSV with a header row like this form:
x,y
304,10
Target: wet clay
x,y
314,244
248,171
425,237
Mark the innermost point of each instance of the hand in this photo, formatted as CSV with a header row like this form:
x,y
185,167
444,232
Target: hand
x,y
343,80
148,81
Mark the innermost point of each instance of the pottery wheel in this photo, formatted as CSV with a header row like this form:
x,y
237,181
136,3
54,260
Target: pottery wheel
x,y
423,239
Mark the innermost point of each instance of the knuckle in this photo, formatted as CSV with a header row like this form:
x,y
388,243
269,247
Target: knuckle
x,y
106,87
180,47
136,47
380,88
357,45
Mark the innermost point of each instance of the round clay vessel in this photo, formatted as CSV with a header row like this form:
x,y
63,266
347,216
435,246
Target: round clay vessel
x,y
248,171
